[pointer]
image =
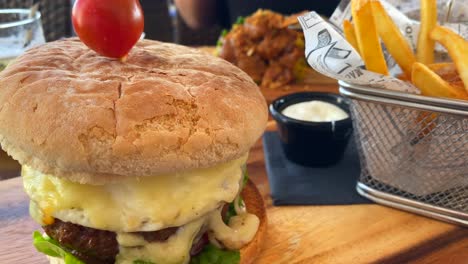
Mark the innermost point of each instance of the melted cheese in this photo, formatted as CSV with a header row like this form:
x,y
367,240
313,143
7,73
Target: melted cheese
x,y
141,204
176,250
241,229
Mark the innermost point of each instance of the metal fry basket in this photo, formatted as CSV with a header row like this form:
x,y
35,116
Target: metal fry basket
x,y
413,151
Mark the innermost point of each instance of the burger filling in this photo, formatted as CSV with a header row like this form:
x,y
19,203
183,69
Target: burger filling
x,y
191,217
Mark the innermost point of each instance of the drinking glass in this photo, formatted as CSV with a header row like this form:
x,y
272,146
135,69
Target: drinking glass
x,y
19,31
173,16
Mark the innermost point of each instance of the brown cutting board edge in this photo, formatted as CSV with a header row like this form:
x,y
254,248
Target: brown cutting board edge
x,y
16,227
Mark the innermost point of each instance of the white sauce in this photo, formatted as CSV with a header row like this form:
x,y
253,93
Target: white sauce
x,y
315,111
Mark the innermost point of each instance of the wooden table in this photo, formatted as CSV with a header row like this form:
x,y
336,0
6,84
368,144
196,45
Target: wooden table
x,y
296,234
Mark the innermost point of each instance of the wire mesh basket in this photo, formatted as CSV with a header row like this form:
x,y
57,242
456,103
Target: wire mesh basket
x,y
413,151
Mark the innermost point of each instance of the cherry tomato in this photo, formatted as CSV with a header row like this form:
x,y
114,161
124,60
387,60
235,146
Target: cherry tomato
x,y
109,27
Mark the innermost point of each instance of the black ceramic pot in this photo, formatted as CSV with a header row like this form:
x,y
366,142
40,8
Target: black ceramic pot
x,y
312,143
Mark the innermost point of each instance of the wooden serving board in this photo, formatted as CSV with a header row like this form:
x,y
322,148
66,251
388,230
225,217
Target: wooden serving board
x,y
296,234
368,233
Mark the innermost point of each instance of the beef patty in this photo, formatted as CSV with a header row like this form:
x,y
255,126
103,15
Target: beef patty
x,y
95,246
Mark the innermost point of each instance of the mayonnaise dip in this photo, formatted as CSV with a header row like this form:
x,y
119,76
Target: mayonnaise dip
x,y
315,111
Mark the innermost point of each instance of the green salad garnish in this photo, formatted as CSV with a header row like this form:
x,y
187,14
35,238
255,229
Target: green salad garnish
x,y
209,255
240,20
50,247
214,255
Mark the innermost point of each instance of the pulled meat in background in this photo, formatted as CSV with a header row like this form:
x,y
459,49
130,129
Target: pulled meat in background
x,y
265,48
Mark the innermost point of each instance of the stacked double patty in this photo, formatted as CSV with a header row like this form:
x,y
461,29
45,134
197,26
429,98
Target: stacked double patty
x,y
96,246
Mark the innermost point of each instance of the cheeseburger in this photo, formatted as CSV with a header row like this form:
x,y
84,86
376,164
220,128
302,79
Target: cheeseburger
x,y
142,161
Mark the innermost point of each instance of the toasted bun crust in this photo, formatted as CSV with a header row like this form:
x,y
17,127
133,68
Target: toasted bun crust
x,y
254,202
67,111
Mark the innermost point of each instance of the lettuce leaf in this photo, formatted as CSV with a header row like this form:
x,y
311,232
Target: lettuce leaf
x,y
232,211
50,247
246,178
209,255
214,255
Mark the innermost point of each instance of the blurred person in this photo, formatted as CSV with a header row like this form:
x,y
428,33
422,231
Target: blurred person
x,y
202,13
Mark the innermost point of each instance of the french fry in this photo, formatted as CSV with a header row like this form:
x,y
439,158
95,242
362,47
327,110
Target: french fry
x,y
432,84
448,72
367,38
457,48
350,34
425,46
441,66
394,41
